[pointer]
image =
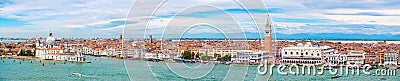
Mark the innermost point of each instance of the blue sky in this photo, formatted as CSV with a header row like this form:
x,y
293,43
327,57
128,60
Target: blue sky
x,y
107,18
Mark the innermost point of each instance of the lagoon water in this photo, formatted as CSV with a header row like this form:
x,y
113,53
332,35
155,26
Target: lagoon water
x,y
104,68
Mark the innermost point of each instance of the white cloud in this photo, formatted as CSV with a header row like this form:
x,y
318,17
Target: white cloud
x,y
77,16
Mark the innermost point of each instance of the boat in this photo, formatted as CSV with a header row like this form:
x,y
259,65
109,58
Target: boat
x,y
205,62
77,74
382,78
228,63
335,76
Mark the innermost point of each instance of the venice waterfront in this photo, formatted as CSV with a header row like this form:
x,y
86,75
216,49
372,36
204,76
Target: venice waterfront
x,y
104,68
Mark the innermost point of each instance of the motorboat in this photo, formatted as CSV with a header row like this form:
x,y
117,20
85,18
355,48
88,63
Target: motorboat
x,y
212,77
335,76
228,63
77,74
205,62
382,78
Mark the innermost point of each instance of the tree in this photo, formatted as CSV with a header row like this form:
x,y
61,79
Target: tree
x,y
225,58
197,55
206,57
217,55
29,52
21,53
3,52
9,46
34,46
187,55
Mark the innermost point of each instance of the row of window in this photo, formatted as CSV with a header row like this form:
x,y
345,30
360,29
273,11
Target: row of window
x,y
297,53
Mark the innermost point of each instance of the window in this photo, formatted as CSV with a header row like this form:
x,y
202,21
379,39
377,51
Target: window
x,y
306,53
286,53
291,53
297,53
318,54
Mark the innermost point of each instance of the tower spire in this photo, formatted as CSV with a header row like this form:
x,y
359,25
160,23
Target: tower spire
x,y
268,39
50,34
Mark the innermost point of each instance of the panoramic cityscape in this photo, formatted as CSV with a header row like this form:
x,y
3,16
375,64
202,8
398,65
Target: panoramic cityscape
x,y
199,40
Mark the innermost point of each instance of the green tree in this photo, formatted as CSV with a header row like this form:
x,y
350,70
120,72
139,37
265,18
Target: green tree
x,y
217,55
206,57
34,46
225,58
197,55
29,52
187,55
9,46
21,53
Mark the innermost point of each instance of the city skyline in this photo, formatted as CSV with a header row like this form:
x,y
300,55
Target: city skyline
x,y
197,40
106,18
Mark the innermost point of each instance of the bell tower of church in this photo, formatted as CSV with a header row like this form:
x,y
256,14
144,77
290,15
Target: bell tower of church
x,y
268,39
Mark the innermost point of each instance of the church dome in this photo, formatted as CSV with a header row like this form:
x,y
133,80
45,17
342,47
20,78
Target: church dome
x,y
50,39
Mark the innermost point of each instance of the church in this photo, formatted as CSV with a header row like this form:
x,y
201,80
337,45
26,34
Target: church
x,y
50,49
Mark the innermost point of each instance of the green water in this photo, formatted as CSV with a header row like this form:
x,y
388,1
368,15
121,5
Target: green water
x,y
107,69
101,69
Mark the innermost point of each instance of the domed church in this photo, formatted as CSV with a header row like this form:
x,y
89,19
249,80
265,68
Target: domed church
x,y
50,41
50,49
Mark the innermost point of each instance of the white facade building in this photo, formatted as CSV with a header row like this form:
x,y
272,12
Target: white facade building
x,y
390,58
50,50
356,57
336,59
332,57
247,57
302,54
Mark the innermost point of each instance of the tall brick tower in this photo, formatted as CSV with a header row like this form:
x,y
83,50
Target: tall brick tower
x,y
268,39
151,38
120,39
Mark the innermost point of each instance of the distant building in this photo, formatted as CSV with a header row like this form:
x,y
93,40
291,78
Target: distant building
x,y
247,57
372,58
332,57
302,54
336,59
50,50
391,58
356,57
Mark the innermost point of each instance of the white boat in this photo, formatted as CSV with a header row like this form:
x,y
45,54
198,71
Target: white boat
x,y
228,63
335,76
77,74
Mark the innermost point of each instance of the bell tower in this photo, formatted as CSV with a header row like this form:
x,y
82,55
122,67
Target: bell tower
x,y
268,39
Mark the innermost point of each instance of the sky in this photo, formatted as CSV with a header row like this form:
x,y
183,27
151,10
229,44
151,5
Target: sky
x,y
197,18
